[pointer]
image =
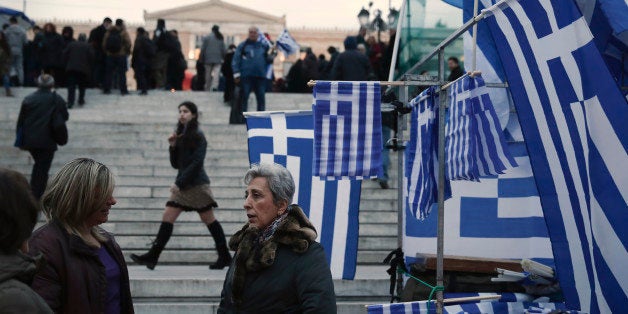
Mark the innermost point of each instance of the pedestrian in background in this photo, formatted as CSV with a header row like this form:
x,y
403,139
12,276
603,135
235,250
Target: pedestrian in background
x,y
96,37
190,191
85,271
278,266
5,64
250,63
78,57
227,72
351,65
40,128
212,54
117,45
51,51
19,213
455,70
177,64
143,52
162,40
16,36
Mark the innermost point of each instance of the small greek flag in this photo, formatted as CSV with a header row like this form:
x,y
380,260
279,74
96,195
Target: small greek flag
x,y
475,144
421,154
286,44
261,38
347,130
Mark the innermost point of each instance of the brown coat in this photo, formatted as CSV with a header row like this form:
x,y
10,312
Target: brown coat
x,y
73,279
125,50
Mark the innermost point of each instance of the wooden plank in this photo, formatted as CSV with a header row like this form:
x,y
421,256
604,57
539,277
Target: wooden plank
x,y
472,264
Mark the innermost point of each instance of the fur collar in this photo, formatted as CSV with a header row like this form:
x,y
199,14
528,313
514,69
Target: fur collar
x,y
295,231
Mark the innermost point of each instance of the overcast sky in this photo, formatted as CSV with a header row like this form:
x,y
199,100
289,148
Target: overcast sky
x,y
317,13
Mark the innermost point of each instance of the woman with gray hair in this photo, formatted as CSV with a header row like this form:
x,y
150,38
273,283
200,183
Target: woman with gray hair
x,y
278,266
85,270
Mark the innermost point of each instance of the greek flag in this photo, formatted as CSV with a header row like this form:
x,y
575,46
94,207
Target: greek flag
x,y
421,154
422,307
574,118
262,38
347,130
332,206
475,145
286,44
502,210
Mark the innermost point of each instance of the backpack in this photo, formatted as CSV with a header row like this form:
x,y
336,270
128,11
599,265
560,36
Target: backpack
x,y
114,41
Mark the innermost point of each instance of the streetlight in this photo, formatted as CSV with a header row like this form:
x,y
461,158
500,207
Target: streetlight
x,y
393,16
378,24
363,17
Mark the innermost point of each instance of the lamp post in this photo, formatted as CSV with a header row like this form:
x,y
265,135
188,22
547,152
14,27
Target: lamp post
x,y
378,24
363,16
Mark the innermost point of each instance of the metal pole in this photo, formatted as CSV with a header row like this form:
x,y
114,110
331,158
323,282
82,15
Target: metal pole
x,y
441,182
475,37
393,63
400,200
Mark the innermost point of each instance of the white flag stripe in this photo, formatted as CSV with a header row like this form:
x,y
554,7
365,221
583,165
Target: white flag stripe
x,y
325,144
340,227
317,202
340,125
289,133
293,164
519,207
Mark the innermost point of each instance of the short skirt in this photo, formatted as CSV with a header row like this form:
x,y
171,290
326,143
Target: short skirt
x,y
197,198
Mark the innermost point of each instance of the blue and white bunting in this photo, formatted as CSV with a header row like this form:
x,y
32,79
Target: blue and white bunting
x,y
347,130
332,206
573,117
286,44
475,145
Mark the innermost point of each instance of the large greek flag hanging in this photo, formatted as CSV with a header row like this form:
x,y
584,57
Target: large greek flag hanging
x,y
475,145
331,206
347,130
573,118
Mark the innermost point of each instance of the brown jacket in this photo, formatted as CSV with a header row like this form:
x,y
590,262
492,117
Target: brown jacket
x,y
73,279
125,50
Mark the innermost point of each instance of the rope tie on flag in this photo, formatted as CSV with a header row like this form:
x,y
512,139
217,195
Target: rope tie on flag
x,y
434,288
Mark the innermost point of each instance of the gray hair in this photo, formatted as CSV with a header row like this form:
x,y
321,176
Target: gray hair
x,y
278,177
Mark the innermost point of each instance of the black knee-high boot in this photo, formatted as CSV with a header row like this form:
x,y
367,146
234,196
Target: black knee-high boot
x,y
150,259
224,257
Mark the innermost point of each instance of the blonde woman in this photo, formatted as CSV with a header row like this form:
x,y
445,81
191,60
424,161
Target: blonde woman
x,y
85,270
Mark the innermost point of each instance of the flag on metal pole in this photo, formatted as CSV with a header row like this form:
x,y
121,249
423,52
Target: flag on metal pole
x,y
347,130
332,206
574,118
286,44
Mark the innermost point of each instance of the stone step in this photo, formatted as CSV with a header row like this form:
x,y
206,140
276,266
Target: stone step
x,y
200,282
196,307
118,214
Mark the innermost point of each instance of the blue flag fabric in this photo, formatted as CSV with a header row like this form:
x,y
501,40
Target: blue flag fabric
x,y
475,145
347,130
503,210
332,206
574,121
421,168
286,44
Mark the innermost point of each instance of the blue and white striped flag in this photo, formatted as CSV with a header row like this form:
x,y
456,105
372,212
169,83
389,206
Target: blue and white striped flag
x,y
332,206
421,154
475,145
503,210
573,118
347,130
286,44
422,307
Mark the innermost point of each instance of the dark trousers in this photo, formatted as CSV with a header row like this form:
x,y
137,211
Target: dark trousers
x,y
76,79
39,174
142,71
229,86
116,65
256,85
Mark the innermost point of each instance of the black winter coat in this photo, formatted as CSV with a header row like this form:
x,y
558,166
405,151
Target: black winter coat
x,y
351,65
73,280
35,119
51,50
96,37
79,57
189,159
16,297
143,51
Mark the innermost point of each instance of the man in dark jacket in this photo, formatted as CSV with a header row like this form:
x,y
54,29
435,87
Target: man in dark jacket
x,y
79,57
143,51
227,72
249,64
96,37
159,64
40,127
333,55
351,65
454,67
117,45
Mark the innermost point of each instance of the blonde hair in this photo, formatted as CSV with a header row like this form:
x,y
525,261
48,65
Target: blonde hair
x,y
79,189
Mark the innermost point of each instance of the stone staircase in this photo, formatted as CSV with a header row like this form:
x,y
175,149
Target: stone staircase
x,y
129,135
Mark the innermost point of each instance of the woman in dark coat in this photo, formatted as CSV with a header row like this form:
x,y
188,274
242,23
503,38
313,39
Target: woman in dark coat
x,y
278,266
19,212
190,191
51,52
85,270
